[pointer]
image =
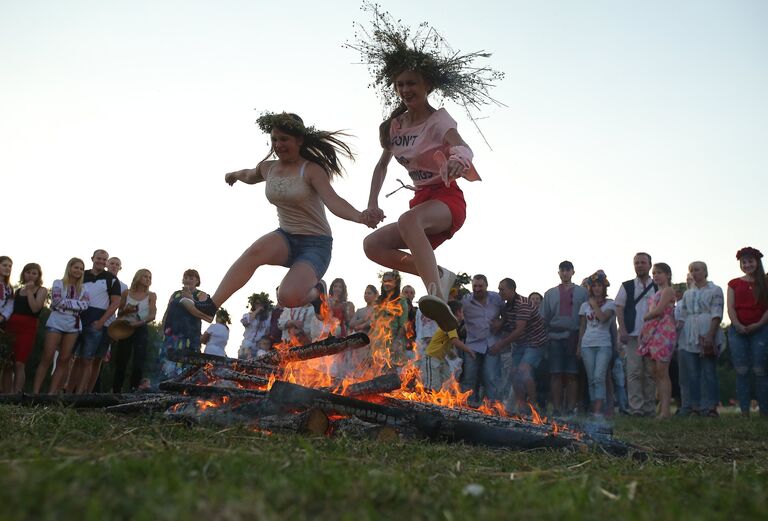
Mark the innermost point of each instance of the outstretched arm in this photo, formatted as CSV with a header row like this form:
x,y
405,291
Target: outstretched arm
x,y
249,176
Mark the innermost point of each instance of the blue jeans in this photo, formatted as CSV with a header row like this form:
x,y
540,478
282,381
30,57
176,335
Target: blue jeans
x,y
703,387
484,369
596,362
750,352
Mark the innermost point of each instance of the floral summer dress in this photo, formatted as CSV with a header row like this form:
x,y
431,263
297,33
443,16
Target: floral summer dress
x,y
658,336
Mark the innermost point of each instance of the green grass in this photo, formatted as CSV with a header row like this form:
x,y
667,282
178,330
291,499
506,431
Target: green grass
x,y
68,464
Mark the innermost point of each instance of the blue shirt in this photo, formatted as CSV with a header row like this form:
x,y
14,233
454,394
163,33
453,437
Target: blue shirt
x,y
477,320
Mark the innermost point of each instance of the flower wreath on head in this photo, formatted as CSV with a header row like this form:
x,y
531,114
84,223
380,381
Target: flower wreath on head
x,y
282,120
749,251
223,315
262,298
390,48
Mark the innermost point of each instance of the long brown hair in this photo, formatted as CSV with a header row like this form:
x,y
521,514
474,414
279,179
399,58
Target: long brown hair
x,y
7,280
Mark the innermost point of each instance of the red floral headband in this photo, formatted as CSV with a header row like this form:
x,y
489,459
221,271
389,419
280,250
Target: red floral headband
x,y
749,251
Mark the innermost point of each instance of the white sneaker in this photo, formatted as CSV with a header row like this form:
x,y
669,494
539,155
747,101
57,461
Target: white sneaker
x,y
447,278
436,309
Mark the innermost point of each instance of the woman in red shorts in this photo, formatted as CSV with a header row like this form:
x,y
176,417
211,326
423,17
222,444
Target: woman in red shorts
x,y
425,141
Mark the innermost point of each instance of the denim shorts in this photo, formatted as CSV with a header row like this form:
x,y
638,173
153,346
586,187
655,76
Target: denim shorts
x,y
562,357
313,249
522,354
88,342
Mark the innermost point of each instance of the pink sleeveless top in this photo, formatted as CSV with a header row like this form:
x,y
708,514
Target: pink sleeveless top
x,y
422,149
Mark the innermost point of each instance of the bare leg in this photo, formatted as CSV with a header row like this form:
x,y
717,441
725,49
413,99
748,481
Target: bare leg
x,y
383,246
50,344
75,374
571,391
664,386
62,366
20,377
95,371
298,286
269,249
85,376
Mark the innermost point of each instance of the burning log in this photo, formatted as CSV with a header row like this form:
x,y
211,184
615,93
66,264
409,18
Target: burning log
x,y
235,364
290,396
241,378
380,384
358,429
326,347
211,390
312,421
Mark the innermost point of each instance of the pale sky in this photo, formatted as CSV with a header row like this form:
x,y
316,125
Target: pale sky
x,y
629,126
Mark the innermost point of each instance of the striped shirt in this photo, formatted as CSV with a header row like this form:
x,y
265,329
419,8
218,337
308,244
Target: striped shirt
x,y
520,308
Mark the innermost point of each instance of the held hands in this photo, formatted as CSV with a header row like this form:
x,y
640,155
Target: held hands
x,y
372,216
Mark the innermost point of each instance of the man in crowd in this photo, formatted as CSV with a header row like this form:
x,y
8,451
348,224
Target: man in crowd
x,y
560,311
523,326
104,291
631,306
482,314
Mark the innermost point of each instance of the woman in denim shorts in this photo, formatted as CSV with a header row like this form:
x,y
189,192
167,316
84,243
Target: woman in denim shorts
x,y
68,298
298,184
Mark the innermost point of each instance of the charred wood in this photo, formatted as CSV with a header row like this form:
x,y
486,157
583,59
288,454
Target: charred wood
x,y
326,347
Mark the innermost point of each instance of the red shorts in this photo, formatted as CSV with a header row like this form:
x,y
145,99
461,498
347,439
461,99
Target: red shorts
x,y
453,197
24,329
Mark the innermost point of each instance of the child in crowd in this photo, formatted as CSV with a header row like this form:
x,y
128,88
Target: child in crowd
x,y
659,334
442,350
216,336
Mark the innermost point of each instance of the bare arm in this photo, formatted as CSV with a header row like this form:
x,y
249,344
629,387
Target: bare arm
x,y
377,180
152,308
249,176
667,296
461,345
36,303
335,203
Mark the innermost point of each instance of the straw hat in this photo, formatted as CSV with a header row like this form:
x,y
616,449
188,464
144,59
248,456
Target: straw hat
x,y
120,329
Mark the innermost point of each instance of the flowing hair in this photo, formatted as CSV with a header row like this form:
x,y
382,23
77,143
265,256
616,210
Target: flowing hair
x,y
65,280
319,146
761,284
32,266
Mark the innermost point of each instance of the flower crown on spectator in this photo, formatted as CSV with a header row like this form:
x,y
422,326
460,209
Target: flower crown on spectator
x,y
262,298
391,48
598,277
283,121
223,315
749,251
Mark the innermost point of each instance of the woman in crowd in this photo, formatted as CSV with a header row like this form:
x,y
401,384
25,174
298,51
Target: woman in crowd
x,y
658,336
6,310
536,298
138,306
256,323
341,308
425,141
181,330
748,334
699,316
298,183
390,316
68,299
216,336
361,320
595,344
28,302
